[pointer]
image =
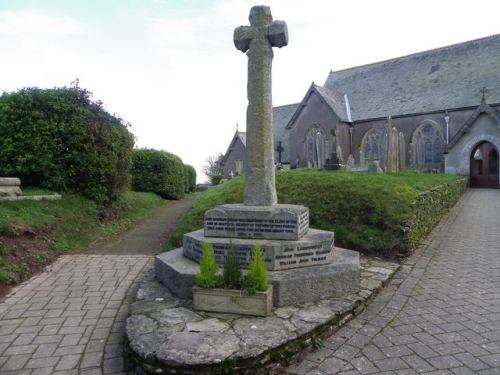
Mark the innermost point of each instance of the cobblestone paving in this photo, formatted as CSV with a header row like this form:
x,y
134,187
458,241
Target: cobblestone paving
x,y
441,312
70,319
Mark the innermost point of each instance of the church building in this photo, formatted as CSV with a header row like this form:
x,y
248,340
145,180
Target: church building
x,y
441,107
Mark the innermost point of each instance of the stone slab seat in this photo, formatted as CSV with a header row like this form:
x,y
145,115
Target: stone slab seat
x,y
290,287
276,222
314,248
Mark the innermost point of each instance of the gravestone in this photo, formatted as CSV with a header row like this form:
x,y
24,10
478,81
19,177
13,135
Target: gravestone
x,y
293,252
10,187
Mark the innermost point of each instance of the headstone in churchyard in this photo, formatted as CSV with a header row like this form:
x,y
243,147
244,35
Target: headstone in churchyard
x,y
391,147
350,161
402,152
258,40
10,187
374,167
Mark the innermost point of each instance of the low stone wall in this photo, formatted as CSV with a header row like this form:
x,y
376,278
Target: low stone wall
x,y
428,209
165,336
53,197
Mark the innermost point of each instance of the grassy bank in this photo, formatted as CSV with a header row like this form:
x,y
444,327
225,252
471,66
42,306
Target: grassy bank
x,y
32,233
366,211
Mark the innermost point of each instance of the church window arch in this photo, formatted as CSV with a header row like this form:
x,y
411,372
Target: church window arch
x,y
372,146
428,144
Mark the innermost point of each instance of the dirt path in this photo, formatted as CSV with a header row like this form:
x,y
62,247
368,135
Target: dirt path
x,y
148,236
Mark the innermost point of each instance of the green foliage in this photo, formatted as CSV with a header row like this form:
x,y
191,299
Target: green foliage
x,y
231,273
216,180
190,179
207,277
366,211
59,139
256,279
162,173
428,209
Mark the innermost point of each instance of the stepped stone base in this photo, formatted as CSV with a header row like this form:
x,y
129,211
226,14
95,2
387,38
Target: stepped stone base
x,y
278,222
290,287
313,249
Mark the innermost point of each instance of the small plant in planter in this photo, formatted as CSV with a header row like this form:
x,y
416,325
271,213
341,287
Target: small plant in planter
x,y
250,294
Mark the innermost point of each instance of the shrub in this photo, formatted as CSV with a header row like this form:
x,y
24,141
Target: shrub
x,y
216,180
256,279
207,277
158,171
231,273
190,179
61,140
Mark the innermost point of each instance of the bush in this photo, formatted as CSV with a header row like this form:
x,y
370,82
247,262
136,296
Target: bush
x,y
231,273
61,140
158,171
190,179
256,279
207,277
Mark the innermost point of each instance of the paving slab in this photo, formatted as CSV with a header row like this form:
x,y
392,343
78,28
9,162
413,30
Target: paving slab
x,y
439,314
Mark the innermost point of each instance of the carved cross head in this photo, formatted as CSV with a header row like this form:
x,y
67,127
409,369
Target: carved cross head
x,y
262,25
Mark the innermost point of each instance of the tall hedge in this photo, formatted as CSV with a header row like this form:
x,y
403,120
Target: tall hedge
x,y
190,178
161,172
61,140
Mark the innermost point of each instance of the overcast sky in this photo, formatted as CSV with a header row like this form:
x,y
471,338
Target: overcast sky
x,y
169,67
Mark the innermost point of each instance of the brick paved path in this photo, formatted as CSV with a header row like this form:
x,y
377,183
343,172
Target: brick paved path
x,y
441,313
70,319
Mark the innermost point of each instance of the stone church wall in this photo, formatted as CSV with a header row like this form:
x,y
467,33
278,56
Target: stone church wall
x,y
458,158
315,115
236,153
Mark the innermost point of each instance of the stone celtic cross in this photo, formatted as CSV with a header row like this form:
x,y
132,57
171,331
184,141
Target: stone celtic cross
x,y
257,41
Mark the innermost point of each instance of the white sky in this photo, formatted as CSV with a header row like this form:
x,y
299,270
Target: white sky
x,y
170,67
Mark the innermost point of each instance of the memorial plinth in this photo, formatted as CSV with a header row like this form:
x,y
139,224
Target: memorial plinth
x,y
278,222
313,249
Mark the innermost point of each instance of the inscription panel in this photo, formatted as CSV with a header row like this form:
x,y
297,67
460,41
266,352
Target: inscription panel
x,y
314,249
285,222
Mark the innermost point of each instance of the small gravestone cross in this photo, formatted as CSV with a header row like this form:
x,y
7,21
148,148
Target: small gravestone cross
x,y
257,41
280,150
484,92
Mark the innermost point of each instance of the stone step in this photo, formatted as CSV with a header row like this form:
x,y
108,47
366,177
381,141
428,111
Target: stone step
x,y
277,222
290,287
313,249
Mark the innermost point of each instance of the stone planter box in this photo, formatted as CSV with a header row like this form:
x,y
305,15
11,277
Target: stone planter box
x,y
233,301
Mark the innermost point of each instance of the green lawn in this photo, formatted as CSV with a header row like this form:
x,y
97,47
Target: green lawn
x,y
365,210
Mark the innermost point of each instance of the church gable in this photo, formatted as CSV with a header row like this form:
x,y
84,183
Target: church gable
x,y
466,127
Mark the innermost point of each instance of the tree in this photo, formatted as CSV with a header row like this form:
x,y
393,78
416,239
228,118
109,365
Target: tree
x,y
214,168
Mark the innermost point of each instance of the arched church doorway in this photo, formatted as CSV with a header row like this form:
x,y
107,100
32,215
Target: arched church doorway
x,y
484,166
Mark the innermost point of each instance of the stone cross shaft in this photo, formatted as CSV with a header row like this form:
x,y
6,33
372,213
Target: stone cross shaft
x,y
257,41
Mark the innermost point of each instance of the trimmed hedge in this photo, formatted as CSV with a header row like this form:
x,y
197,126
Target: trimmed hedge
x,y
162,173
189,179
61,140
366,211
428,209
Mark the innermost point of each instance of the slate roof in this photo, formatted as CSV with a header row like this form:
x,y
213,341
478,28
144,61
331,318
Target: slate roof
x,y
281,118
444,78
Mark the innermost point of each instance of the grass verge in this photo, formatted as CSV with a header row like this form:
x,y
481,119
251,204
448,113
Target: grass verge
x,y
366,211
33,233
